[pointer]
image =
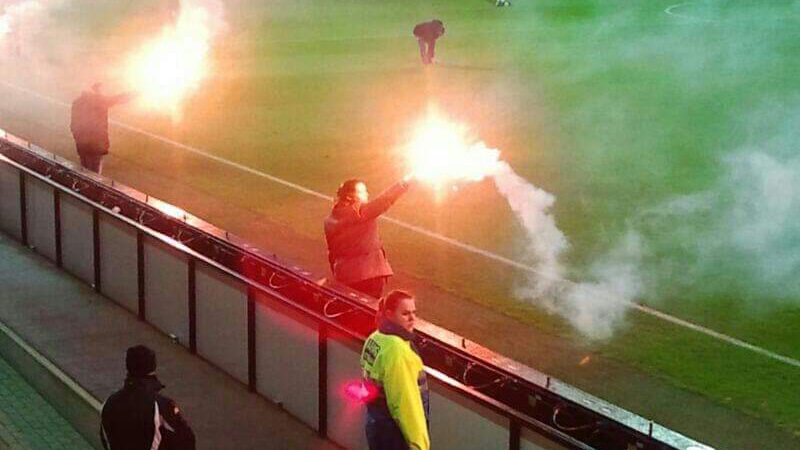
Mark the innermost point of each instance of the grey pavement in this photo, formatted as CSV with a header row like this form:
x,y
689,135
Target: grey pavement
x,y
86,335
28,422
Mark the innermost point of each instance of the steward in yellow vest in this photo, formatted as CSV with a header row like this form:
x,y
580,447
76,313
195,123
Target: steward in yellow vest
x,y
397,419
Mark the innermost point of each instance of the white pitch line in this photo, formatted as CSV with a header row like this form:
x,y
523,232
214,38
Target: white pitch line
x,y
431,234
669,11
717,335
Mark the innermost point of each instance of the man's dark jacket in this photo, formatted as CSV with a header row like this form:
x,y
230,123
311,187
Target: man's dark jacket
x,y
429,31
89,121
355,250
136,416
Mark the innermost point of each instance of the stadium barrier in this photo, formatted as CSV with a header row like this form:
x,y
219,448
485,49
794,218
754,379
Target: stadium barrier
x,y
268,324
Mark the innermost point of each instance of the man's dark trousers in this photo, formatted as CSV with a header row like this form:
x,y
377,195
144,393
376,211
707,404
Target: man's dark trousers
x,y
426,50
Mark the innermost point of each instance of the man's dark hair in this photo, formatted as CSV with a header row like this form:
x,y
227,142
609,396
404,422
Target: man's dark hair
x,y
347,189
140,361
390,301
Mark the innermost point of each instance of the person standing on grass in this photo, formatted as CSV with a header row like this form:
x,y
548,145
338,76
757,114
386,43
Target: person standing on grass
x,y
89,125
398,414
427,33
138,417
355,251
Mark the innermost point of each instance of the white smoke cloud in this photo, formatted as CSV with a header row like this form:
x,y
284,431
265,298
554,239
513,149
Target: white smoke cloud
x,y
212,13
740,237
765,212
20,20
597,307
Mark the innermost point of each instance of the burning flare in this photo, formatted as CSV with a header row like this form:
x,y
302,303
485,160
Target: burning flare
x,y
168,69
440,152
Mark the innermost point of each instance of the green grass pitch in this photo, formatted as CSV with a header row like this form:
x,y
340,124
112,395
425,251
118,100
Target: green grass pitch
x,y
675,120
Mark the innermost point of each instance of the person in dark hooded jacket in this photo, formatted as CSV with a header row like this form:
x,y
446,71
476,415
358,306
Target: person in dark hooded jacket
x,y
89,125
138,416
355,251
427,33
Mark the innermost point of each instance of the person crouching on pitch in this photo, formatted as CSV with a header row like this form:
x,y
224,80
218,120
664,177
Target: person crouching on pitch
x,y
355,251
427,33
398,416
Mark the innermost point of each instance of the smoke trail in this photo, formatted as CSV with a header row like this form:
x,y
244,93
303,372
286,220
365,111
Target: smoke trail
x,y
596,308
441,152
545,242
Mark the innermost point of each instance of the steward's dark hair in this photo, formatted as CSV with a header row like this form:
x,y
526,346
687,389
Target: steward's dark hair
x,y
390,301
347,189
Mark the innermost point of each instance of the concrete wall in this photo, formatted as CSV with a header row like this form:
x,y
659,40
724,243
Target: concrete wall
x,y
461,423
222,321
345,417
287,359
40,217
10,221
166,289
77,252
118,262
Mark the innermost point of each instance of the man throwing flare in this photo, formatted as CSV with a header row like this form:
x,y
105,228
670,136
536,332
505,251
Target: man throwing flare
x,y
355,250
427,33
398,416
89,125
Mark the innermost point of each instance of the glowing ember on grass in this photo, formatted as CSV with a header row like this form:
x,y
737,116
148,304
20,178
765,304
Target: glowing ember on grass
x,y
166,70
440,152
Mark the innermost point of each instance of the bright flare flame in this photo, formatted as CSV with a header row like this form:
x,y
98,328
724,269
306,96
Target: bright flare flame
x,y
441,153
168,69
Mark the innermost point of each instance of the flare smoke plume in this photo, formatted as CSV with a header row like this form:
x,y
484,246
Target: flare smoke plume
x,y
441,152
594,307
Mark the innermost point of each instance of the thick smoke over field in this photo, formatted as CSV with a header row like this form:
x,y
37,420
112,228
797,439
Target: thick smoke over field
x,y
697,158
22,20
738,236
741,235
594,307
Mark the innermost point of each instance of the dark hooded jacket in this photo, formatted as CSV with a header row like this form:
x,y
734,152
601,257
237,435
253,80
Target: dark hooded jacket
x,y
429,31
138,417
89,121
355,250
